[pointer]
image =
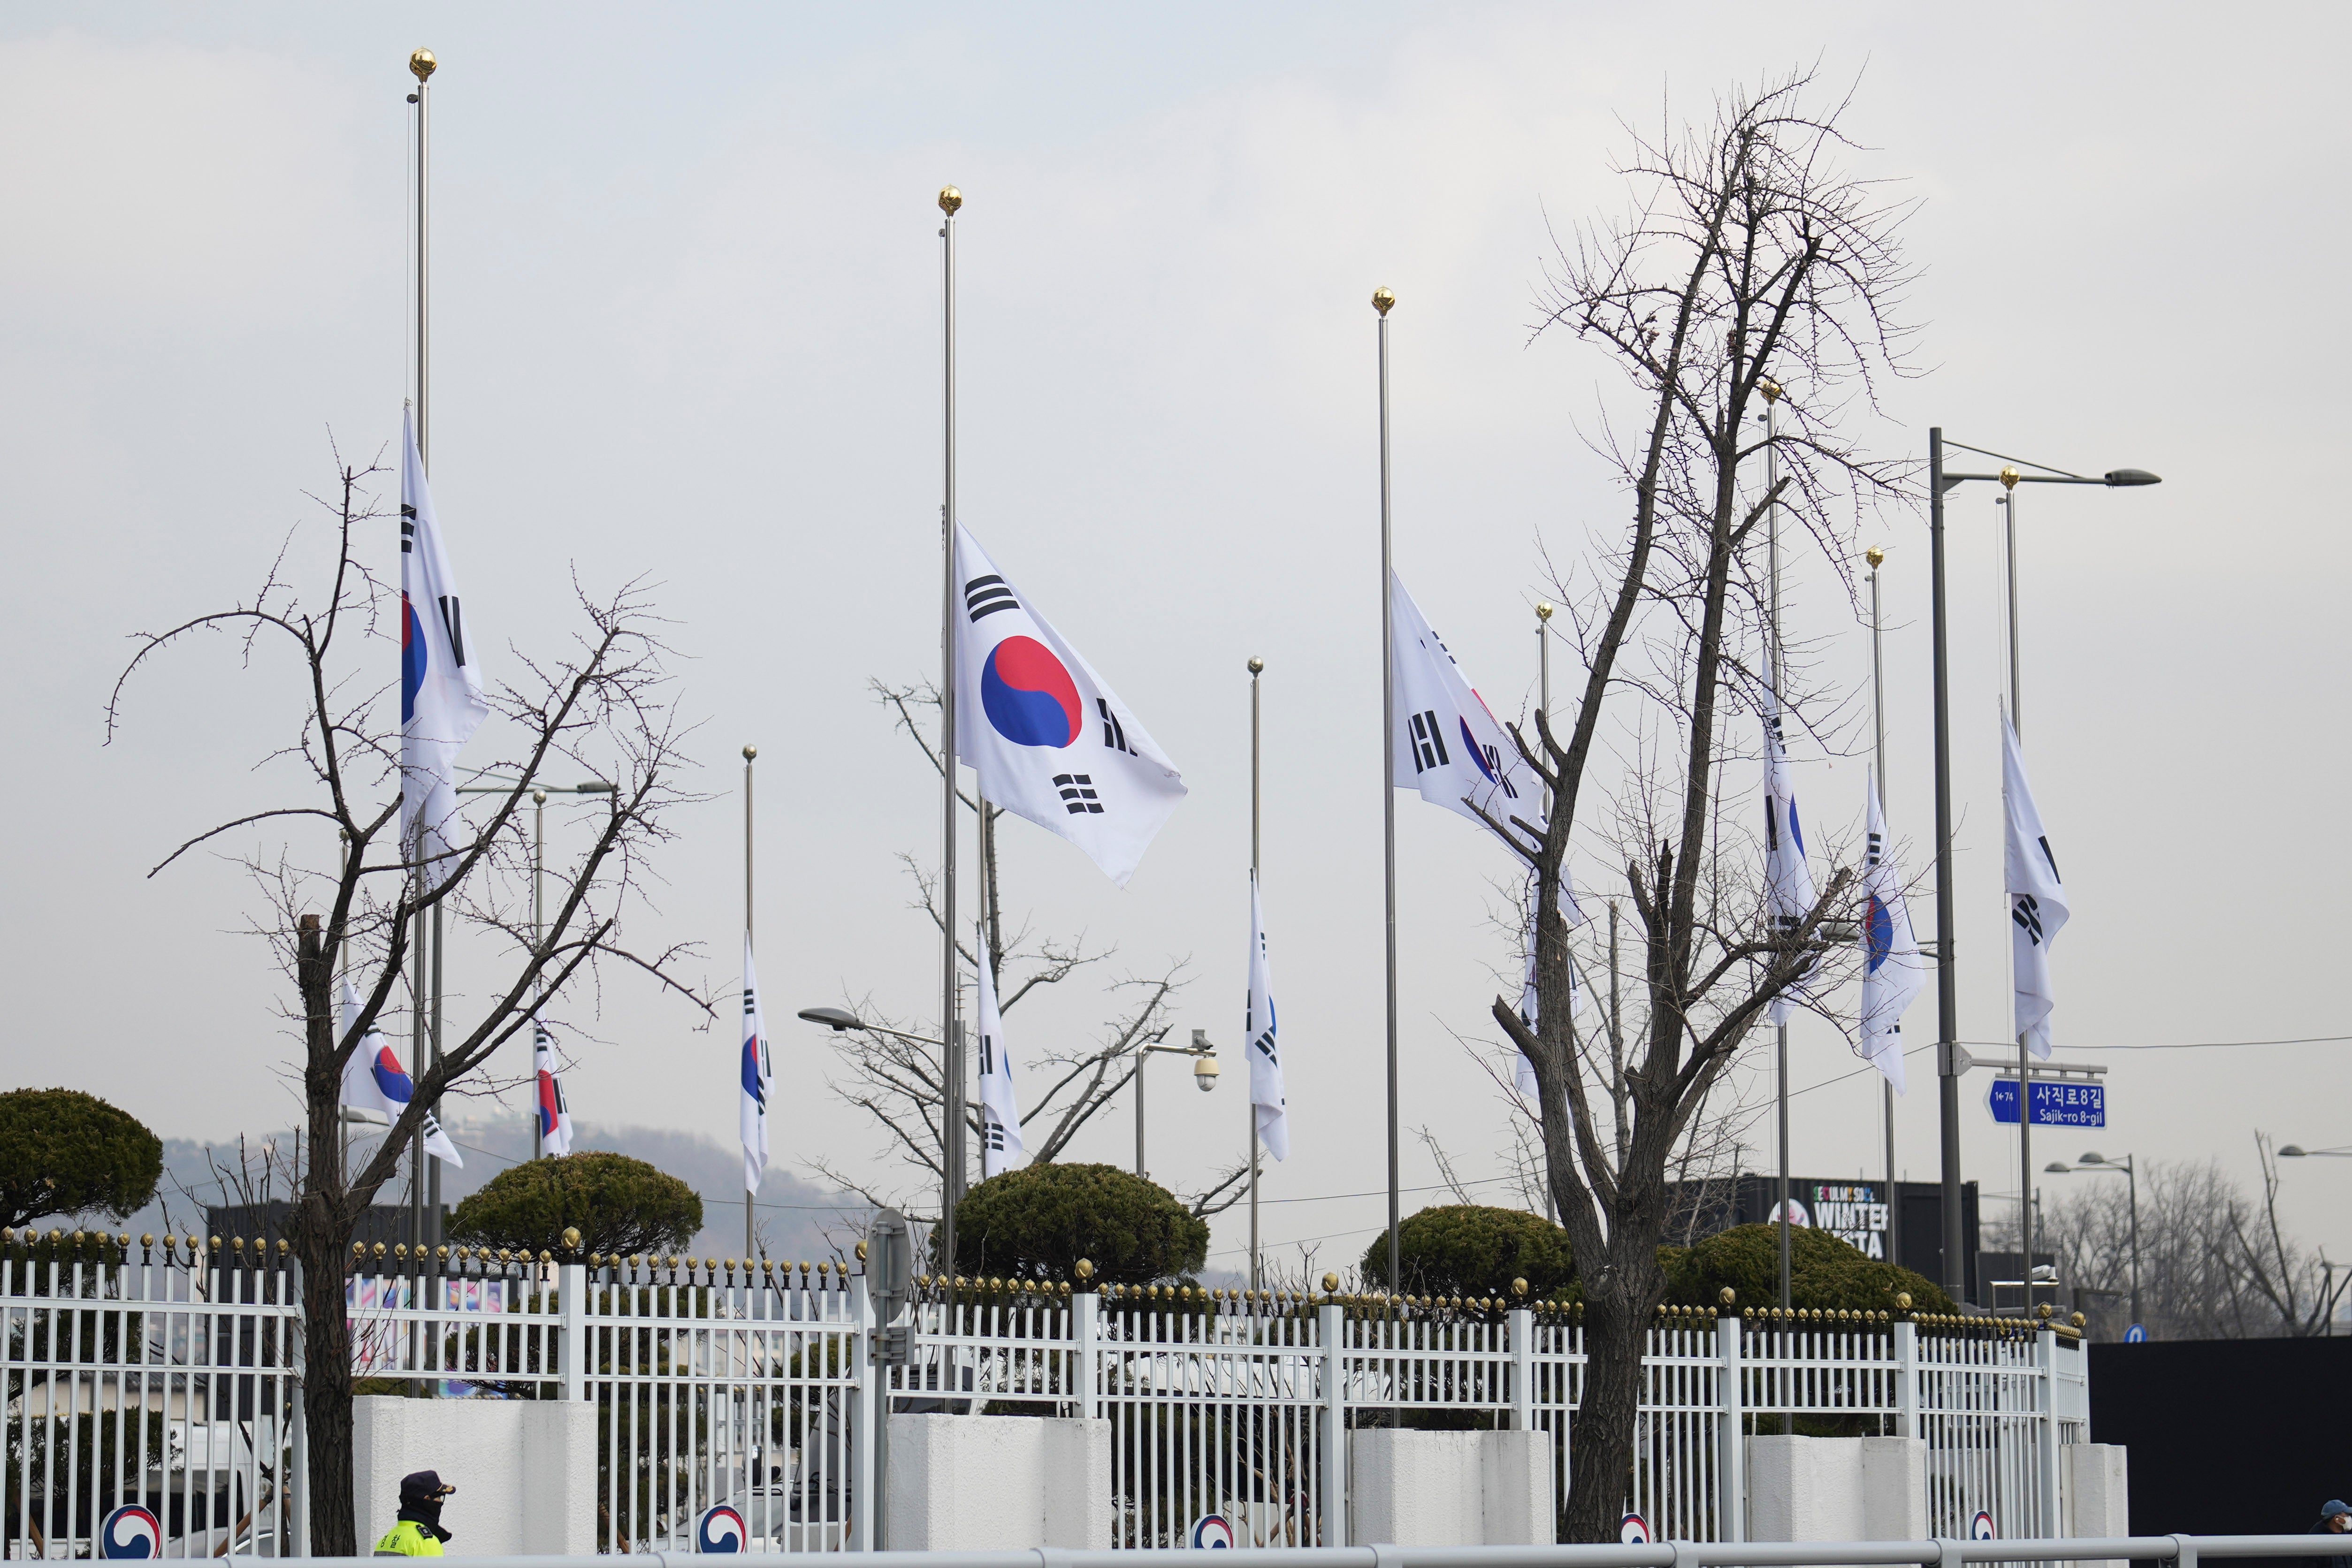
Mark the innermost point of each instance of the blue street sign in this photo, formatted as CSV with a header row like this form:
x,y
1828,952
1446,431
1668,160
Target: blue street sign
x,y
2057,1103
2136,1334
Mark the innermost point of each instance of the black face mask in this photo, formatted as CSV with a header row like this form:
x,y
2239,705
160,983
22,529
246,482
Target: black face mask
x,y
425,1512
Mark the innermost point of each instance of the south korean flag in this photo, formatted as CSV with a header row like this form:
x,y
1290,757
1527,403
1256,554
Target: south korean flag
x,y
1442,743
1270,1103
1050,741
2037,899
1000,1106
441,700
1788,880
1892,973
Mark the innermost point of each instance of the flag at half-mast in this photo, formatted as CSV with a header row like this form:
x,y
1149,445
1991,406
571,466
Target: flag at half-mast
x,y
2038,910
554,1112
1571,915
1788,880
1000,1106
1050,741
1443,741
1892,973
1270,1104
759,1077
374,1081
441,701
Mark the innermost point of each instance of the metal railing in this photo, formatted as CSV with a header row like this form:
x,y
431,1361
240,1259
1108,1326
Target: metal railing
x,y
175,1383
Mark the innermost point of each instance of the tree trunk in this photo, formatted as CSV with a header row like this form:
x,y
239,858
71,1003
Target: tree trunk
x,y
327,1386
1617,1319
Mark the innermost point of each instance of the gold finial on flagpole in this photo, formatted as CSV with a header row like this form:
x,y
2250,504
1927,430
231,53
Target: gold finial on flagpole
x,y
2010,477
422,64
1256,665
950,200
1543,609
1771,389
1383,301
1874,556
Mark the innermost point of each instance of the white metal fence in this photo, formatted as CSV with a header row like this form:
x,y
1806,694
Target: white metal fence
x,y
174,1382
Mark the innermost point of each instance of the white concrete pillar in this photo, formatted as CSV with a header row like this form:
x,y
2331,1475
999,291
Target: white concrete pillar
x,y
993,1483
2094,1491
525,1470
1451,1489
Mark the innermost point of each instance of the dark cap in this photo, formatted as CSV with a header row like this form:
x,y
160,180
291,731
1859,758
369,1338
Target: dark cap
x,y
422,1486
2333,1507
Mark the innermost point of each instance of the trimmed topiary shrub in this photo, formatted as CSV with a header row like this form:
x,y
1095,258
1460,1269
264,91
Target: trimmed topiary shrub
x,y
65,1152
1036,1222
1467,1249
619,1204
1824,1271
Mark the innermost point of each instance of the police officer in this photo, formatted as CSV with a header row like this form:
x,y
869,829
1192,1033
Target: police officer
x,y
418,1532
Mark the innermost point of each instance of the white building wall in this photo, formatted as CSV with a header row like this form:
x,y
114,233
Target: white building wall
x,y
525,1470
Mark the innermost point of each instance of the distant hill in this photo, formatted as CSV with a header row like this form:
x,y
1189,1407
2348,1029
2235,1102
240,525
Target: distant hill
x,y
797,1218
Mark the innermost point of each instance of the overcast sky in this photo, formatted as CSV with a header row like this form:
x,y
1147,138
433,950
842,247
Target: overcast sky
x,y
686,327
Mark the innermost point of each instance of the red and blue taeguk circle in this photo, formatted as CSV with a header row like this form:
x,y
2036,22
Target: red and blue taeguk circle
x,y
130,1531
412,660
1029,695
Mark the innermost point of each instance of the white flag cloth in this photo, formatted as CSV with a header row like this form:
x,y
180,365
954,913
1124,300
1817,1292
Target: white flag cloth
x,y
1049,740
553,1111
1573,912
374,1080
1000,1106
1443,741
2037,899
1892,973
758,1074
1272,1106
441,701
1788,880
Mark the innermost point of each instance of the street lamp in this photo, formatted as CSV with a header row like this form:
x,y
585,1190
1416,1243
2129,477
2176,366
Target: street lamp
x,y
841,1022
2094,1163
1948,996
539,794
1204,1074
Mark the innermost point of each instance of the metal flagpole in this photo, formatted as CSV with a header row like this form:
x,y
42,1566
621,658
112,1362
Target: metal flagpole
x,y
1876,557
751,1226
538,930
1543,699
1256,668
2009,477
421,64
1948,994
951,1030
1772,638
1383,302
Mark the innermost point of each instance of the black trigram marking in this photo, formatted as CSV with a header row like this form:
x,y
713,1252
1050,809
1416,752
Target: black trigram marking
x,y
2044,843
987,1054
1114,733
2027,912
452,621
987,595
1428,745
992,1135
1877,843
751,1002
1264,1046
1494,767
407,528
1771,826
1077,793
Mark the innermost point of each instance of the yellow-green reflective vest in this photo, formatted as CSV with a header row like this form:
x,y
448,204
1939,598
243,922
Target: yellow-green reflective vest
x,y
408,1539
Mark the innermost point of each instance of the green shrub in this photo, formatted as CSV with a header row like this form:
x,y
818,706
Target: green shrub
x,y
619,1204
65,1152
1465,1250
1824,1271
1035,1223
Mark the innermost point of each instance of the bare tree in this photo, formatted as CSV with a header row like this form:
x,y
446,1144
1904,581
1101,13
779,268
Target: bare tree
x,y
897,1079
2213,1263
1750,261
601,704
